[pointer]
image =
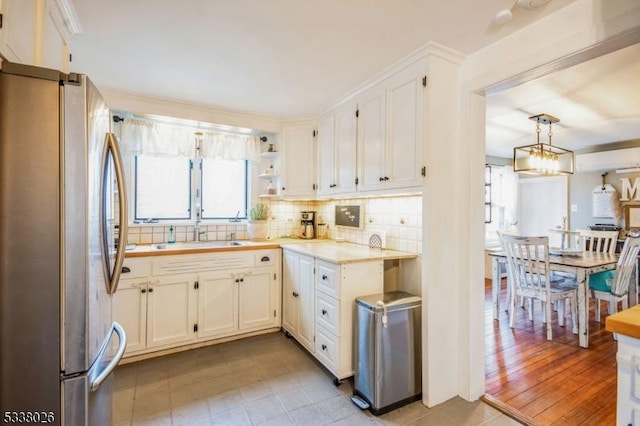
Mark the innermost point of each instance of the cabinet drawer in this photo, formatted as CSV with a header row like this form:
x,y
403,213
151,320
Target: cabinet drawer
x,y
135,268
326,349
328,278
328,312
266,258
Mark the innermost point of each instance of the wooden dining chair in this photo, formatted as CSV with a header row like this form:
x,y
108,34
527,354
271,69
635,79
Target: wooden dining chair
x,y
530,276
616,288
600,241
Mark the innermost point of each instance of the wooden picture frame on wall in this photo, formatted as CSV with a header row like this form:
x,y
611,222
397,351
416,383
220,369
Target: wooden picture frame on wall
x,y
632,216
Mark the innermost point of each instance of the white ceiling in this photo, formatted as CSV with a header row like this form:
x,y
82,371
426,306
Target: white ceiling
x,y
597,102
276,58
294,58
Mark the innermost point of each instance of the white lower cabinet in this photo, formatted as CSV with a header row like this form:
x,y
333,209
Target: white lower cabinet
x,y
217,306
298,295
171,313
628,395
320,299
130,311
222,295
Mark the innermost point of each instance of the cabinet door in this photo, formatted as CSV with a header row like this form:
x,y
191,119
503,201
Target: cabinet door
x,y
130,311
298,161
405,128
289,291
326,155
171,311
255,300
345,146
372,141
306,302
18,32
55,51
217,304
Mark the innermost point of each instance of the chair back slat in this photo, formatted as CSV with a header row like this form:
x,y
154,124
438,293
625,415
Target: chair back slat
x,y
599,241
624,268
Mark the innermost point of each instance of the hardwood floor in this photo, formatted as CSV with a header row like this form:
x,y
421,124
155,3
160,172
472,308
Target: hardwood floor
x,y
550,382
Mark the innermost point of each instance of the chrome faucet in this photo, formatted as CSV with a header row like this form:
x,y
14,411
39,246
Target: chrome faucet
x,y
197,233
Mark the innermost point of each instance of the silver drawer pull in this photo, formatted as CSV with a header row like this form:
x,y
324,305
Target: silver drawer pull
x,y
126,269
265,259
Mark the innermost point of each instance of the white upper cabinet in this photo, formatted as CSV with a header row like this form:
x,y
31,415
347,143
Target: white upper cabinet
x,y
326,155
33,32
18,31
374,143
372,125
390,132
337,151
345,146
405,120
297,161
55,51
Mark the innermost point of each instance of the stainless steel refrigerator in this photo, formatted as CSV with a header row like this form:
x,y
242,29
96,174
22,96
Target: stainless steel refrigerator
x,y
62,238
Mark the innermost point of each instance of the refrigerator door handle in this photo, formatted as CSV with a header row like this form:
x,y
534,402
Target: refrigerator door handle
x,y
111,148
96,381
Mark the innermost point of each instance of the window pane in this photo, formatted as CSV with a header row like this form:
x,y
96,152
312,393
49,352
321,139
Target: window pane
x,y
163,187
224,188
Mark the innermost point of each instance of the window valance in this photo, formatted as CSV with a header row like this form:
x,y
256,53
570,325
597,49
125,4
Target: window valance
x,y
140,137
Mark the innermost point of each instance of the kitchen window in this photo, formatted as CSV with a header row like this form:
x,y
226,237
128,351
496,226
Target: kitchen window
x,y
164,188
184,174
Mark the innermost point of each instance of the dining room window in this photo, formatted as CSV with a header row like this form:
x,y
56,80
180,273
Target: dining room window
x,y
501,202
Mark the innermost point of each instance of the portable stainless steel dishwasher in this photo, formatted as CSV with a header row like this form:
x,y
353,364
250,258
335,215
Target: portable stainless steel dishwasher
x,y
388,351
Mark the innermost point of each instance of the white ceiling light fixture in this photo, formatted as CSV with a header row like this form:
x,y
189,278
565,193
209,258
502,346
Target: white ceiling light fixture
x,y
531,4
540,158
505,15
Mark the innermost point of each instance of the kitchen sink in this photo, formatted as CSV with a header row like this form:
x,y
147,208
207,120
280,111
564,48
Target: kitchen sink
x,y
198,244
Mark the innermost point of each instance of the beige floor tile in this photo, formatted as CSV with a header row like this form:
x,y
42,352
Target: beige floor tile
x,y
462,412
293,399
151,405
225,401
268,379
337,408
255,391
282,420
309,416
153,420
190,412
264,409
235,417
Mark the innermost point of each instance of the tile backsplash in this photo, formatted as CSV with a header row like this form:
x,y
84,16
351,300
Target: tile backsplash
x,y
399,218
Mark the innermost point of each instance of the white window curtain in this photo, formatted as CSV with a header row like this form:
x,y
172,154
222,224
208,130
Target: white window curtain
x,y
229,146
156,139
140,137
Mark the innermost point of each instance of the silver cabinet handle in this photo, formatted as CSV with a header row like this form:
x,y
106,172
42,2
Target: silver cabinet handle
x,y
97,381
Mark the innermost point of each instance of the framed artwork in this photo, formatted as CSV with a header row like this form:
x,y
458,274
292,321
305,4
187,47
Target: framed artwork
x,y
632,216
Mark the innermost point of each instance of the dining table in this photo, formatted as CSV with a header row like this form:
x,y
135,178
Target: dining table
x,y
581,265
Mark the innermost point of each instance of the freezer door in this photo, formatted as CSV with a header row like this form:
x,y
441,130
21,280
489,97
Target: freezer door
x,y
86,399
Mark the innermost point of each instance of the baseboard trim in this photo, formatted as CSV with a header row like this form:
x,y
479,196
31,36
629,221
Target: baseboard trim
x,y
509,411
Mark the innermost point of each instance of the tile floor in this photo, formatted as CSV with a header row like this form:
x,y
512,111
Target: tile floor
x,y
263,380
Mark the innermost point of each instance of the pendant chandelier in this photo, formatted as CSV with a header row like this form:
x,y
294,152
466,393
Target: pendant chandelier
x,y
543,158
